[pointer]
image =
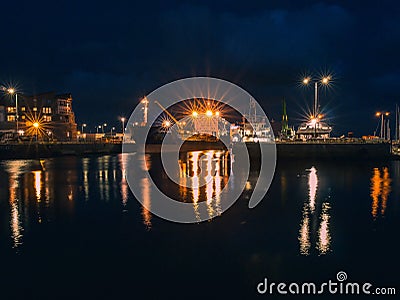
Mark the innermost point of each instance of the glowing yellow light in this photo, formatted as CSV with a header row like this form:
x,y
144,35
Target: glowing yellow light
x,y
320,116
306,80
209,113
217,113
326,79
122,119
36,125
378,114
11,91
166,123
386,114
313,121
195,114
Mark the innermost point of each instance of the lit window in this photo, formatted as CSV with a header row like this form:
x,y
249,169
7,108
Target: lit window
x,y
23,108
11,109
35,108
23,117
46,110
11,118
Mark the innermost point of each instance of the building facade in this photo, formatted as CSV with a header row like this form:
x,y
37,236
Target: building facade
x,y
46,116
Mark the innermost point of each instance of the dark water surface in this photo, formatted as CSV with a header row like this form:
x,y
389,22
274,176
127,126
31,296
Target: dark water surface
x,y
73,229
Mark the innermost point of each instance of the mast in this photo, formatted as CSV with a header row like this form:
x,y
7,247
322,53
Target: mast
x,y
316,99
252,111
284,118
397,131
145,102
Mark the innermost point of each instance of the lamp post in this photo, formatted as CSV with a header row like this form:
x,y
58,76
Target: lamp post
x,y
83,126
36,126
382,115
104,125
12,91
112,128
123,125
325,80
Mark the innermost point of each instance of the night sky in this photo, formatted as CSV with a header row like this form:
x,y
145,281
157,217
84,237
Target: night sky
x,y
110,54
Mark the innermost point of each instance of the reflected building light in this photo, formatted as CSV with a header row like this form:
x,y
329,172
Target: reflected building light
x,y
146,207
15,218
106,186
146,163
304,233
218,183
195,183
375,191
312,187
209,185
380,187
85,168
14,169
123,161
182,180
324,237
248,186
37,184
70,194
386,189
100,166
124,192
86,184
46,189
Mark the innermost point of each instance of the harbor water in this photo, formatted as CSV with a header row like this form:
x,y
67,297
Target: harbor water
x,y
70,227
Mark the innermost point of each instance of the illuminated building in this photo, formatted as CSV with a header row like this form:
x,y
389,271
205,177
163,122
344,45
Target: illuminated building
x,y
47,116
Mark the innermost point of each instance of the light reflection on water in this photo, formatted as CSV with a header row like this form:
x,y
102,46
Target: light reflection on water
x,y
323,243
37,195
14,169
205,185
380,187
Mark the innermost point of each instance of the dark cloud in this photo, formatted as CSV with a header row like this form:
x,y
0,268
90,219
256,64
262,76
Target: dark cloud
x,y
108,54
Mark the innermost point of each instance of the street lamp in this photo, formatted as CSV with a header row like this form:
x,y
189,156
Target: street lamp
x,y
325,80
36,126
382,115
112,128
12,91
123,125
166,124
83,126
104,125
